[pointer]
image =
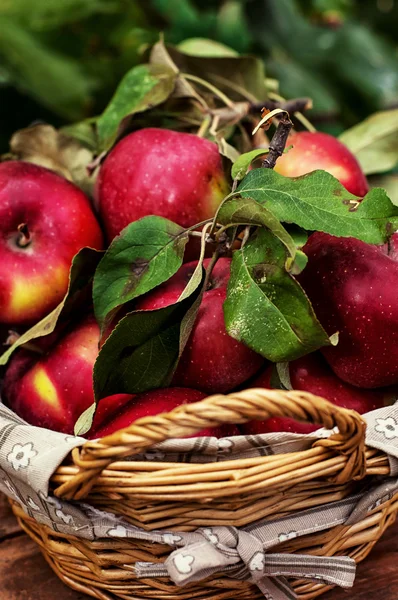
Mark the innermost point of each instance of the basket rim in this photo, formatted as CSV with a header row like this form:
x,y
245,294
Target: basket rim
x,y
347,443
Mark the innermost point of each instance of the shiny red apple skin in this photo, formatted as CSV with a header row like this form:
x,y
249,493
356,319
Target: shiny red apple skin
x,y
152,171
109,406
53,389
353,289
317,150
212,361
34,278
152,403
311,373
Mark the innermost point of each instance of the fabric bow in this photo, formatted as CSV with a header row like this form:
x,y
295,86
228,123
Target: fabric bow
x,y
241,555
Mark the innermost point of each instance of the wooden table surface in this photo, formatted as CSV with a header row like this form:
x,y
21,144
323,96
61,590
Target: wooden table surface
x,y
24,574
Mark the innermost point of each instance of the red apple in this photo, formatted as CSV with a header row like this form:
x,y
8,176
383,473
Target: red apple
x,y
212,361
175,175
318,150
311,373
52,390
152,403
108,407
44,221
353,288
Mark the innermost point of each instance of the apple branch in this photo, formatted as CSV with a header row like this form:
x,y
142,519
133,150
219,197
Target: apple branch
x,y
278,142
291,106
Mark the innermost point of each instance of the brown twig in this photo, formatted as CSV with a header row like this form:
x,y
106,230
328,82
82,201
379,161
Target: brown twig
x,y
291,106
278,142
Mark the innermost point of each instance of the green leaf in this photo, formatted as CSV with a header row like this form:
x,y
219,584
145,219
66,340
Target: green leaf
x,y
145,254
280,377
317,201
283,371
205,47
240,78
299,235
266,308
143,87
143,350
275,382
236,210
224,148
240,166
375,141
84,422
300,262
160,56
81,273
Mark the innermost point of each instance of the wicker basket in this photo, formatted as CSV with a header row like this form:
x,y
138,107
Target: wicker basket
x,y
183,497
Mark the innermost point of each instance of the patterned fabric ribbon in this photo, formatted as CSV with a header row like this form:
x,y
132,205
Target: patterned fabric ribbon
x,y
241,553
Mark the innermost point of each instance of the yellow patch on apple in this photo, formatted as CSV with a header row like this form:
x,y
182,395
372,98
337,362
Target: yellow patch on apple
x,y
45,387
27,294
338,171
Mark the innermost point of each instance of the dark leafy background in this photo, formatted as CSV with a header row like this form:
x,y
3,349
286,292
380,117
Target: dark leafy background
x,y
61,61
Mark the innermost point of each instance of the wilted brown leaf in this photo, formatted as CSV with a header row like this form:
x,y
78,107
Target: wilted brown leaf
x,y
44,145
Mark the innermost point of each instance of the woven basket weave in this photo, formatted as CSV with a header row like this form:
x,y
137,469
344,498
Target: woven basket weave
x,y
183,497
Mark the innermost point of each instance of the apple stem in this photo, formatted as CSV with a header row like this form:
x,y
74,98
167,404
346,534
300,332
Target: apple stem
x,y
211,266
278,142
390,246
246,235
204,127
224,244
24,238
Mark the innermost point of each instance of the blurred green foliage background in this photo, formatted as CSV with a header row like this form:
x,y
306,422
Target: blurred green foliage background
x,y
61,60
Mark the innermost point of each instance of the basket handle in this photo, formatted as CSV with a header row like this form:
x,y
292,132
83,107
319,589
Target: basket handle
x,y
239,407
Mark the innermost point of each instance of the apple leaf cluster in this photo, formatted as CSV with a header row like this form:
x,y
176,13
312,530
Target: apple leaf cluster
x,y
262,225
266,308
